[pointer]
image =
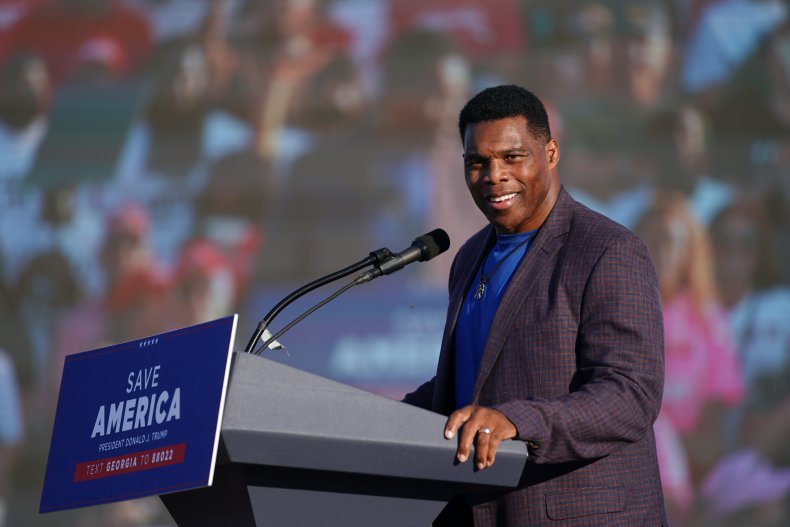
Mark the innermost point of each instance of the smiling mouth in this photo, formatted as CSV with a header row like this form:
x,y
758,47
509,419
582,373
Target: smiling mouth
x,y
501,199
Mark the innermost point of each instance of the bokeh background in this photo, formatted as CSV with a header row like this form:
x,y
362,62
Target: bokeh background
x,y
167,162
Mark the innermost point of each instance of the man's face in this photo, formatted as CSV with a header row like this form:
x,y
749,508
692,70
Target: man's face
x,y
510,173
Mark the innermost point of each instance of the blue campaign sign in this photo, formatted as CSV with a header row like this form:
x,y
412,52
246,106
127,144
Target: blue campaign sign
x,y
140,418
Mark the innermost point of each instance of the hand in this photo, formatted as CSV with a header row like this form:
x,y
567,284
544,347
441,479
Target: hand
x,y
473,420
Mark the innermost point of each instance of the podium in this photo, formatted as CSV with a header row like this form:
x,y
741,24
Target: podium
x,y
299,449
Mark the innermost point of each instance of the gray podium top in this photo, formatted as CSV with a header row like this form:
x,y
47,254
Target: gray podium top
x,y
277,415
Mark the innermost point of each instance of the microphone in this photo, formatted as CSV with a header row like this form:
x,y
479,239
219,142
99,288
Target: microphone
x,y
422,249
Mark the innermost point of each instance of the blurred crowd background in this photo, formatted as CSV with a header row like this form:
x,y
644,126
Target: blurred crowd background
x,y
167,162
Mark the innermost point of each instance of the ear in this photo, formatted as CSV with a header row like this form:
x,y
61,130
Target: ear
x,y
552,150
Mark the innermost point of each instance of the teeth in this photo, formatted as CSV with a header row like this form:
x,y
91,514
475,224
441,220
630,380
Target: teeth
x,y
503,198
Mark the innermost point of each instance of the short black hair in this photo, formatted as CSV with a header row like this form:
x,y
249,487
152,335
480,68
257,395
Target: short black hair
x,y
501,102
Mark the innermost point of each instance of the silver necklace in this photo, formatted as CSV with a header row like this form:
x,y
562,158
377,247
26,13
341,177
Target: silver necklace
x,y
481,286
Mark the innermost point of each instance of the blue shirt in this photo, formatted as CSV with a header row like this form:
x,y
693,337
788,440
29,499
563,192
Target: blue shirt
x,y
476,315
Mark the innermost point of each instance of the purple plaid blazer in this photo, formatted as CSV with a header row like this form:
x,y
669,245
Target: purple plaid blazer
x,y
575,359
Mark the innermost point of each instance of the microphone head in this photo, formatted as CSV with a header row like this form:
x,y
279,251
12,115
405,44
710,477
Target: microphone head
x,y
432,244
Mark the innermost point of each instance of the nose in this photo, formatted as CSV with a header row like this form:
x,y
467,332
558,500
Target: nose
x,y
495,172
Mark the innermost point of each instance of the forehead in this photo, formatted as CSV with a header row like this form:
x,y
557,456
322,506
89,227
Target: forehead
x,y
510,132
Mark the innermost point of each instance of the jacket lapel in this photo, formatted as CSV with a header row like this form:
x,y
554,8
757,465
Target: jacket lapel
x,y
548,241
446,371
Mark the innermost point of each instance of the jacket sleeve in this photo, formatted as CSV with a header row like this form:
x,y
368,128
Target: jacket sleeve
x,y
422,396
617,386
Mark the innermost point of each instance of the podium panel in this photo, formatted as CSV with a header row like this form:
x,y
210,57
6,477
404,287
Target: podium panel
x,y
299,449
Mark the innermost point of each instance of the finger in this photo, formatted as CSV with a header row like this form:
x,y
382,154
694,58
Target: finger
x,y
458,418
466,439
470,435
493,444
482,447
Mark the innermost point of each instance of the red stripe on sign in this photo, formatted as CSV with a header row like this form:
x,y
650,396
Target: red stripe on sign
x,y
134,462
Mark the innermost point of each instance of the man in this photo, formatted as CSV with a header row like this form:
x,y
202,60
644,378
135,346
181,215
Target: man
x,y
553,336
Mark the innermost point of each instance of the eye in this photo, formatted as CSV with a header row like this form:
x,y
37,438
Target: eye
x,y
473,162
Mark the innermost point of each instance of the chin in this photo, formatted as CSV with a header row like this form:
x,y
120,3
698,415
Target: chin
x,y
504,229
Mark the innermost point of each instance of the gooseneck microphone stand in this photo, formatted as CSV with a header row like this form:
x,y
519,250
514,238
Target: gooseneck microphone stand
x,y
422,249
375,258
